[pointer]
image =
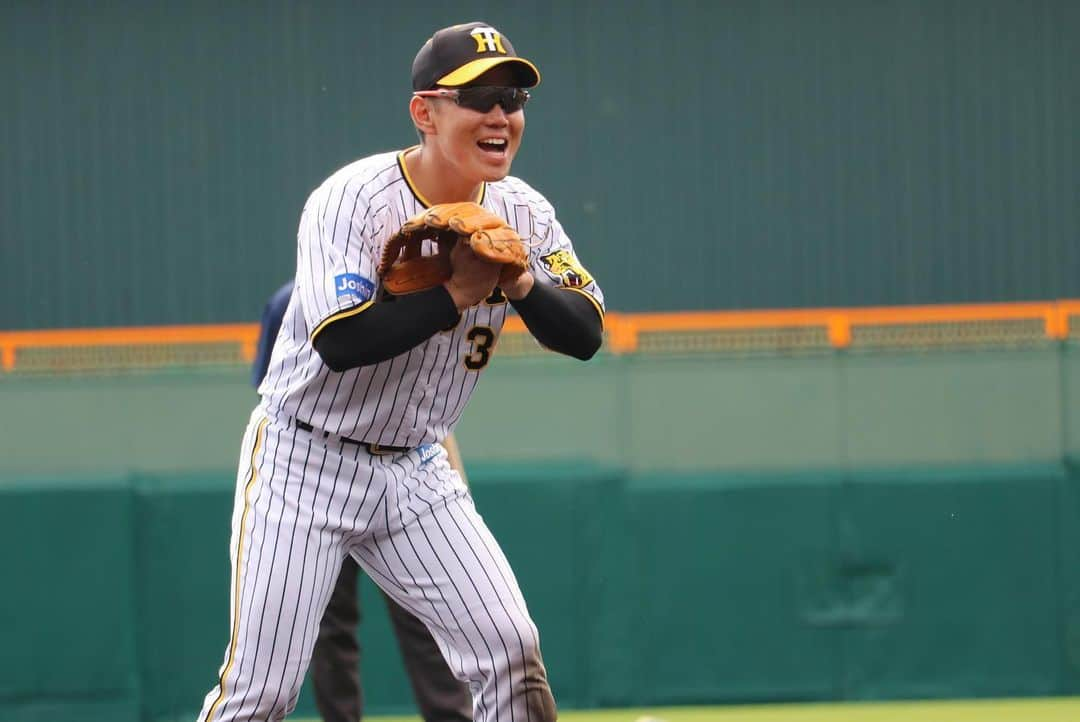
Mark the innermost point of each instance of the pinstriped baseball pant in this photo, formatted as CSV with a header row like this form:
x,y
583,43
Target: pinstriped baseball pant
x,y
301,504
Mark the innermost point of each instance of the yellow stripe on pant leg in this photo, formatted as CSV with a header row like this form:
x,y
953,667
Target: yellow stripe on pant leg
x,y
236,582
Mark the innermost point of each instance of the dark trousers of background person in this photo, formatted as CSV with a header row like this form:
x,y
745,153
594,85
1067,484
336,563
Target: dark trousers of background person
x,y
335,663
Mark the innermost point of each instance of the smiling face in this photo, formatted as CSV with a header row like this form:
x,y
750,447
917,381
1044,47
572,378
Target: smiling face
x,y
476,146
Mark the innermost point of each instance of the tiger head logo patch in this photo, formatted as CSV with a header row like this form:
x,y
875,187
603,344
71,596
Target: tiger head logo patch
x,y
564,267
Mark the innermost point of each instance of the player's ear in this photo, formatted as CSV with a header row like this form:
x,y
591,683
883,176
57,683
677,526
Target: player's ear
x,y
422,115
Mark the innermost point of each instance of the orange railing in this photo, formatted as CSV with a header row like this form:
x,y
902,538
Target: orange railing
x,y
244,334
624,330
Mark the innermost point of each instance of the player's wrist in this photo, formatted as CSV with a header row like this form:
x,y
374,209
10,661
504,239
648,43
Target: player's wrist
x,y
461,298
520,287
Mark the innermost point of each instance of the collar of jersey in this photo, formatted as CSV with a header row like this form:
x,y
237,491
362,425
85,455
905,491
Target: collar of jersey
x,y
416,191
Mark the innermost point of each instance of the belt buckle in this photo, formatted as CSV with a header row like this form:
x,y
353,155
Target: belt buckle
x,y
378,450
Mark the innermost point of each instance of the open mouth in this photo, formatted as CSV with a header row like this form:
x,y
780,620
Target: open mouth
x,y
496,146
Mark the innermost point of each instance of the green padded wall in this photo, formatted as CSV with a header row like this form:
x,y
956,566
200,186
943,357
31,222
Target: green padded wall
x,y
1068,521
181,534
721,571
879,585
648,589
968,563
68,607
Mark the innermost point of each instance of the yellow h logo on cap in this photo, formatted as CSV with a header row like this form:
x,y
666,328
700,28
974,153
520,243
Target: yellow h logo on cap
x,y
488,40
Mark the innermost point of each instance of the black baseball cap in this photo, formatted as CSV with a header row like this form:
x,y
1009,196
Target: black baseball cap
x,y
461,53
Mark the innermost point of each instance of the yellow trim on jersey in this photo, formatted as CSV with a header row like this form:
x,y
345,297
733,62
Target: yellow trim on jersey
x,y
596,303
239,565
337,316
416,191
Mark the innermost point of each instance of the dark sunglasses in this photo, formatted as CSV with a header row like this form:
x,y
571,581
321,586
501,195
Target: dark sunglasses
x,y
481,98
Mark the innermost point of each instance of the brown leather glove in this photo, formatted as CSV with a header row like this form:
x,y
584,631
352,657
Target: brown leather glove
x,y
404,268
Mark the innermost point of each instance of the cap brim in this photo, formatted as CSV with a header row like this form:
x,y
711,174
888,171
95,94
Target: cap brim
x,y
472,70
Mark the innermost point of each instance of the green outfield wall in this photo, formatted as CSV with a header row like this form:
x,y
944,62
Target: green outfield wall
x,y
699,529
702,155
648,588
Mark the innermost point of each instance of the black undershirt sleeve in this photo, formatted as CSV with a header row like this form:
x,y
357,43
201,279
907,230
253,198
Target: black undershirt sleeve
x,y
386,329
561,320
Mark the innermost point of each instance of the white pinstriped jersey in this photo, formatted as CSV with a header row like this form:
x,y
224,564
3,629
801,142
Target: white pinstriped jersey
x,y
416,397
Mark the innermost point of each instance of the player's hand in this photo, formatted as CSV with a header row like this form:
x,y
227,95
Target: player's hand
x,y
517,286
472,279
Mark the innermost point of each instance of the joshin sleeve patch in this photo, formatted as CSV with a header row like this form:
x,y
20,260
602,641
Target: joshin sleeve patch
x,y
353,285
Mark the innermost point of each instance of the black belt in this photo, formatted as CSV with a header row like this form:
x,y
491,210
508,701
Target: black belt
x,y
375,449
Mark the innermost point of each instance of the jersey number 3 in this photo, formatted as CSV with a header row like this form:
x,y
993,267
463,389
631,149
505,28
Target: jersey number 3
x,y
482,338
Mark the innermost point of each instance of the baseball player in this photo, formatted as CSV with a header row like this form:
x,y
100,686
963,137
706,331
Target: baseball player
x,y
343,454
335,658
